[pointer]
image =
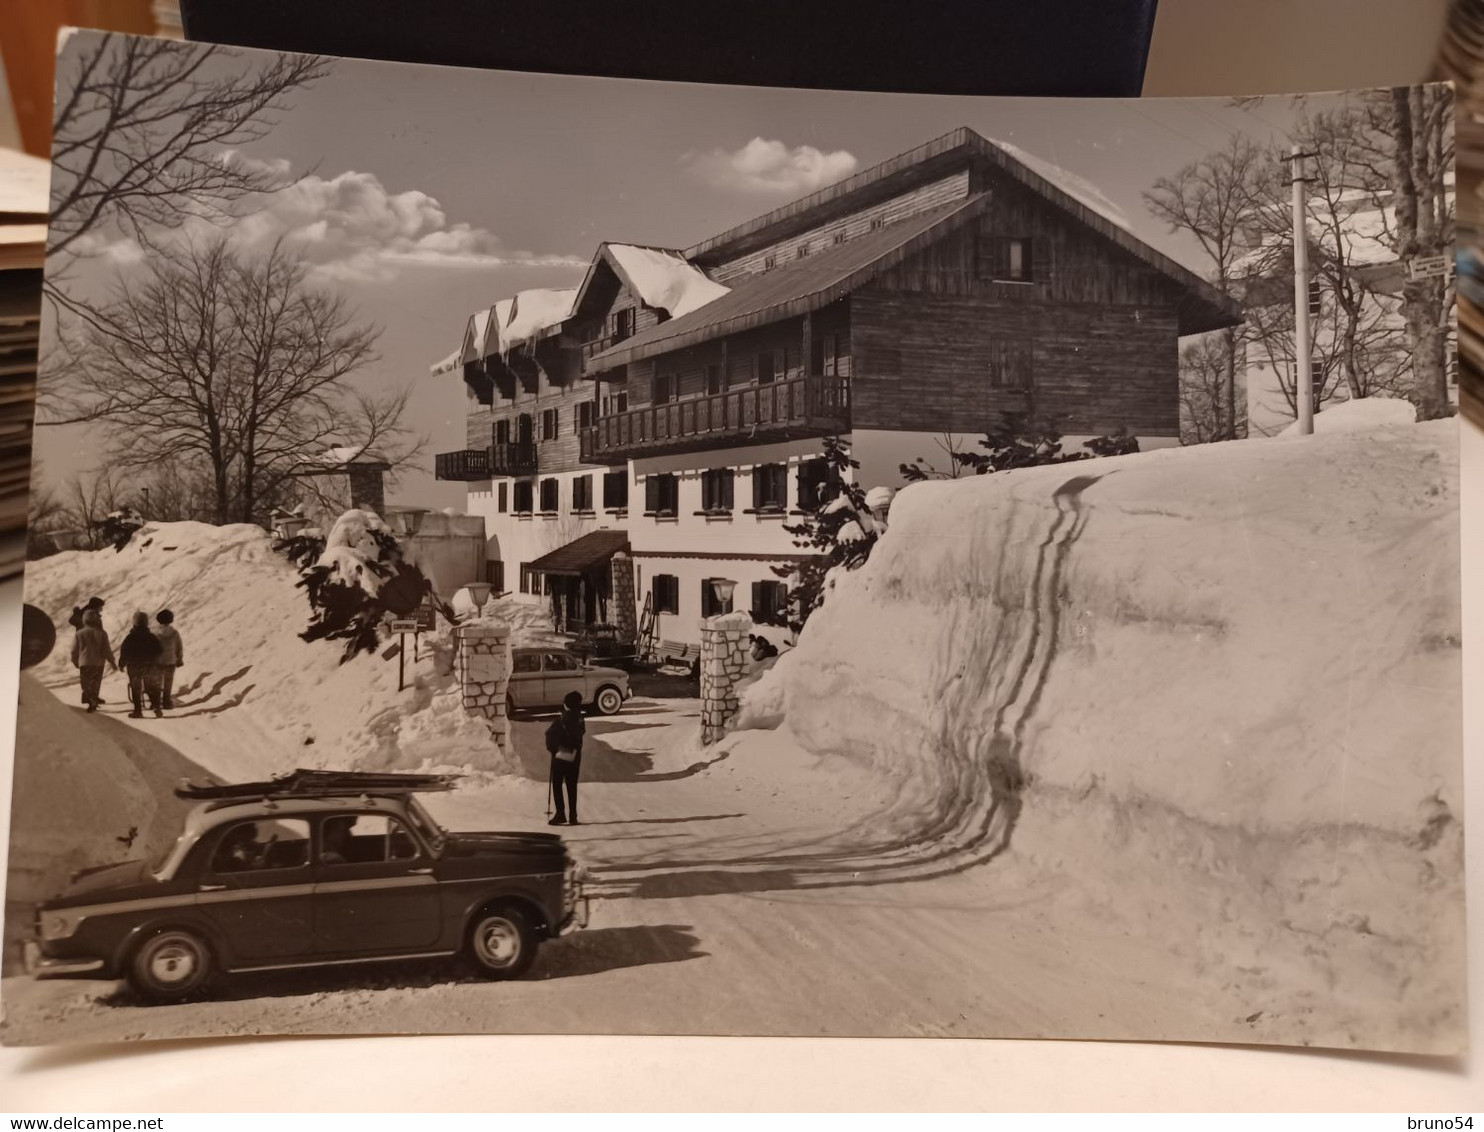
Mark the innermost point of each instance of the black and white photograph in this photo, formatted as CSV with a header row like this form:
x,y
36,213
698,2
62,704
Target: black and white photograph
x,y
534,554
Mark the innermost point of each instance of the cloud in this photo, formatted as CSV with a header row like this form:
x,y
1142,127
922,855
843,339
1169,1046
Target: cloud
x,y
351,227
770,167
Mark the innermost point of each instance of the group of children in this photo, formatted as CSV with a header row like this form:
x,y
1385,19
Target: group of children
x,y
148,656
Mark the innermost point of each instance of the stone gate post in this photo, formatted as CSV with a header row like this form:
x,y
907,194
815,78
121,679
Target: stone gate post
x,y
724,648
482,664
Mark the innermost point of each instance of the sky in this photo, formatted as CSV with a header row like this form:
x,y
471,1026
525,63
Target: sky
x,y
427,193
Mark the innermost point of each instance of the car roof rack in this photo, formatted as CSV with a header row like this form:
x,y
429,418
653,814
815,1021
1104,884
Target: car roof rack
x,y
318,784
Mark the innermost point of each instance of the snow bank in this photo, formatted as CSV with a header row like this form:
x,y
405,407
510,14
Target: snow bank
x,y
666,279
1078,188
252,697
1359,415
1217,690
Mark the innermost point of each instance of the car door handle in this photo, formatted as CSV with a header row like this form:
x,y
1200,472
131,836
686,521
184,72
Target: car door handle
x,y
420,872
213,887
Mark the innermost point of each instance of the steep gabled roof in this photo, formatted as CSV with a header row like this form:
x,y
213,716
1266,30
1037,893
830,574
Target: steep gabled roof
x,y
799,286
661,277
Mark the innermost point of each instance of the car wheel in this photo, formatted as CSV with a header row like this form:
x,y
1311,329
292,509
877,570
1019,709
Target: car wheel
x,y
609,700
170,965
502,944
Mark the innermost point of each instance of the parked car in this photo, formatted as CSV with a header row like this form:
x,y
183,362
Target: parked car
x,y
312,869
541,678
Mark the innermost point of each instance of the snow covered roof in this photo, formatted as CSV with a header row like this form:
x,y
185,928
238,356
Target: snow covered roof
x,y
340,456
665,279
529,313
448,364
1078,188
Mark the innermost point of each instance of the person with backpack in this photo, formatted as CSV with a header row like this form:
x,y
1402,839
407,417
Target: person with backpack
x,y
90,652
564,743
172,655
139,656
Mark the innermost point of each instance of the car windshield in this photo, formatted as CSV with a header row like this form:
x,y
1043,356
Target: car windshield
x,y
431,831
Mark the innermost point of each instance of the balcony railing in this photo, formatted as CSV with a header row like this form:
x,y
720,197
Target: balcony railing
x,y
805,406
464,467
515,458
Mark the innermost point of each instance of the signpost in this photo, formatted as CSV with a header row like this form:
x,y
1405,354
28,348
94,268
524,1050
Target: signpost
x,y
1429,266
402,628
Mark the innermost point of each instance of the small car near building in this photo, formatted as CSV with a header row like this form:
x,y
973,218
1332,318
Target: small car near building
x,y
312,869
542,678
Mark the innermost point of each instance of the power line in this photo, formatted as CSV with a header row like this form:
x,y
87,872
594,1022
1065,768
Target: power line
x,y
1132,105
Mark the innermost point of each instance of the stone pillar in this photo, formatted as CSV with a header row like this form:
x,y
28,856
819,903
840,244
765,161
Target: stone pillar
x,y
724,648
482,664
366,487
622,597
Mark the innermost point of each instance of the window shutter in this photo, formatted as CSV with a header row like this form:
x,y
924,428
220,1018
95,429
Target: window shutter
x,y
651,493
759,612
728,485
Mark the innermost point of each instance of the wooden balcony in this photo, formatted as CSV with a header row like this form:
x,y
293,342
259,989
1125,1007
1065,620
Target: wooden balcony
x,y
464,467
805,406
516,458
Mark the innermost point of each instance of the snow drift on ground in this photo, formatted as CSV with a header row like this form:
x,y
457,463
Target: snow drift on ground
x,y
1359,415
1217,689
666,279
260,698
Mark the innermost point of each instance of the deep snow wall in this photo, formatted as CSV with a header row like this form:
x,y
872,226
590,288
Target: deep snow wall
x,y
1221,684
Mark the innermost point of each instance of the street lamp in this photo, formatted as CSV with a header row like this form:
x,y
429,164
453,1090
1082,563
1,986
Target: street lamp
x,y
410,519
291,525
723,589
479,593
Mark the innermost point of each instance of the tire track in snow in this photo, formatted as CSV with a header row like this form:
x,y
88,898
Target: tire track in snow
x,y
969,829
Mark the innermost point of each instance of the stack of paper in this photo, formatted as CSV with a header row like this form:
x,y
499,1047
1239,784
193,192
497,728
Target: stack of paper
x,y
23,204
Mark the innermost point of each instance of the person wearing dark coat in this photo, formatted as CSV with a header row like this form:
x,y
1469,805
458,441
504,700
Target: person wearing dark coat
x,y
564,742
139,656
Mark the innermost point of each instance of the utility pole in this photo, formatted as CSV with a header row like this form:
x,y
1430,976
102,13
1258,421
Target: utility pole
x,y
1302,349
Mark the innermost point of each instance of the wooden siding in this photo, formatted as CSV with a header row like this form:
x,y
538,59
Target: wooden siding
x,y
853,225
923,363
559,386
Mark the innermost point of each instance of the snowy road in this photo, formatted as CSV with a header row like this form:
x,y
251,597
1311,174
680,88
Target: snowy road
x,y
745,889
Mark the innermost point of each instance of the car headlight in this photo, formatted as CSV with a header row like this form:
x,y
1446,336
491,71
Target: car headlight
x,y
59,925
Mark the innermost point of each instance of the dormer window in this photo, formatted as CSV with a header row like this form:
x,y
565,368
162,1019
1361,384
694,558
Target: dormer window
x,y
839,237
877,222
770,262
623,324
803,252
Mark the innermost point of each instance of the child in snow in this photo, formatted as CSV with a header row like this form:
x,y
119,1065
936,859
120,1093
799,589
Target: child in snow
x,y
564,742
172,655
139,656
95,604
90,652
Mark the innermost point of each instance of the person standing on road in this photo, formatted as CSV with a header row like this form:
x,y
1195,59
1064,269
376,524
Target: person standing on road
x,y
90,652
172,655
139,656
564,742
95,604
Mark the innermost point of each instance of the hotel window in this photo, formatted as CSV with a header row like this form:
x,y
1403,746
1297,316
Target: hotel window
x,y
583,413
623,324
504,490
770,367
803,252
661,494
769,487
530,581
818,483
770,262
717,489
616,490
502,432
664,388
550,502
665,589
716,381
616,403
548,424
1005,259
1011,363
825,354
711,605
523,495
877,222
582,493
839,237
769,603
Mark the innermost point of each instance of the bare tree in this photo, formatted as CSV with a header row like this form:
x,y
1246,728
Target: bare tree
x,y
144,127
1203,405
231,364
1211,199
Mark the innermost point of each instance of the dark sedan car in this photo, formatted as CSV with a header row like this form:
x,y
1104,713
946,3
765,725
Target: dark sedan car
x,y
315,869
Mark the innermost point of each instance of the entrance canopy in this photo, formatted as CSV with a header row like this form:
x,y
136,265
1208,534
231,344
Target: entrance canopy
x,y
582,555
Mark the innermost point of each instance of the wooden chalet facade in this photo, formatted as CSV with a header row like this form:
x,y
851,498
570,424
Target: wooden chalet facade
x,y
916,299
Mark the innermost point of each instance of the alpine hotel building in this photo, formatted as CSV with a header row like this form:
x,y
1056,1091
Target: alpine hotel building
x,y
634,440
